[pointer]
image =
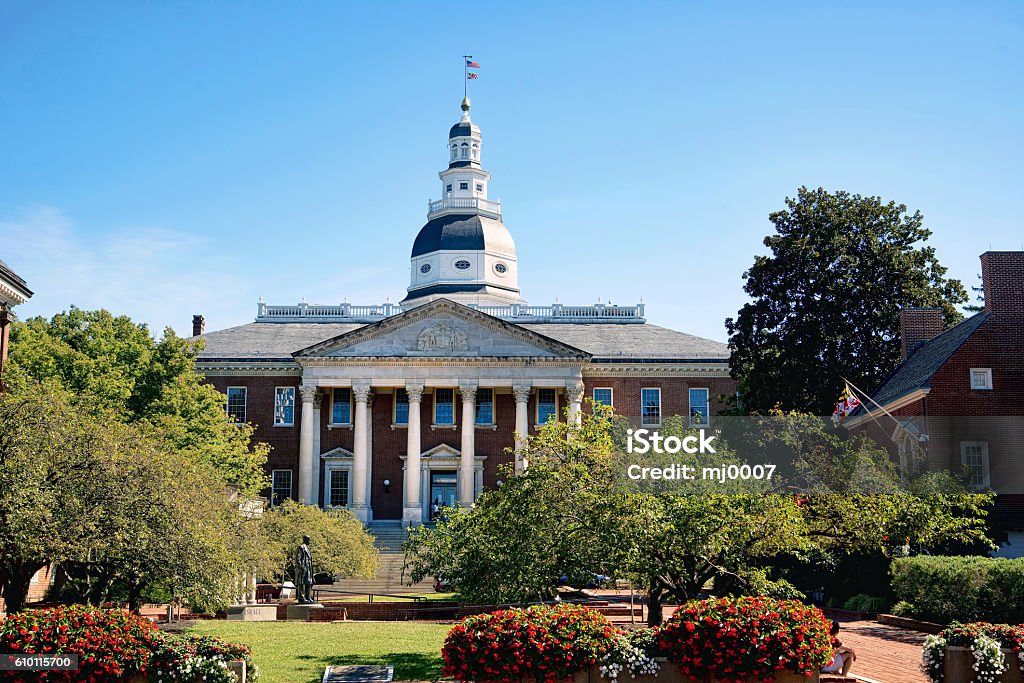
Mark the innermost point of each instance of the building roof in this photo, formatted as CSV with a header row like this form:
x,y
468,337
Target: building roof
x,y
14,280
607,342
462,232
916,371
464,129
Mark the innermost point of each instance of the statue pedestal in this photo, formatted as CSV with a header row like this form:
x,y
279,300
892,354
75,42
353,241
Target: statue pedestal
x,y
299,612
251,613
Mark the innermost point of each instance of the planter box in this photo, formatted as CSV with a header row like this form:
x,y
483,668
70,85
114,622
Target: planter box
x,y
669,673
958,665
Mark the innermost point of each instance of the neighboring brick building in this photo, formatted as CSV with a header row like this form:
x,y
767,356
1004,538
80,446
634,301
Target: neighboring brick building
x,y
13,291
963,390
364,405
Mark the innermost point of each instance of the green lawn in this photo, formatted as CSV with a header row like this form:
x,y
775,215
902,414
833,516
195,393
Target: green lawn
x,y
297,652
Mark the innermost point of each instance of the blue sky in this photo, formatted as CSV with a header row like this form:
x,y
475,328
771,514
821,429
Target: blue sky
x,y
168,158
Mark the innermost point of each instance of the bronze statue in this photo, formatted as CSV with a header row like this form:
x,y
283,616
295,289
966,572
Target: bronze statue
x,y
304,573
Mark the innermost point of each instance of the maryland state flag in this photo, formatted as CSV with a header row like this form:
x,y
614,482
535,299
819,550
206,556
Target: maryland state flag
x,y
848,402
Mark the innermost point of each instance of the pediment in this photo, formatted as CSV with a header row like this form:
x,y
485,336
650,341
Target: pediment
x,y
442,452
442,329
338,453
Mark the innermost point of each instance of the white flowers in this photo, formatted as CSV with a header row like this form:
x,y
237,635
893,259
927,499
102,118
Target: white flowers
x,y
931,657
626,656
988,659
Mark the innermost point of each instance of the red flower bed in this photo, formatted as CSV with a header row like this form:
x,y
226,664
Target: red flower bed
x,y
742,639
111,645
545,642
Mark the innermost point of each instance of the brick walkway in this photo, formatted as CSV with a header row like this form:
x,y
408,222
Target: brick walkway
x,y
884,653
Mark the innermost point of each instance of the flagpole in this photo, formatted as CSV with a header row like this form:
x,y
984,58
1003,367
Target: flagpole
x,y
859,391
465,74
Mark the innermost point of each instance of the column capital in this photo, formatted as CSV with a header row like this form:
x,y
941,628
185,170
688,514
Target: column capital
x,y
574,392
414,392
468,392
309,392
522,392
361,392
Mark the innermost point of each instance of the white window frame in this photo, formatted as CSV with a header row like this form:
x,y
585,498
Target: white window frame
x,y
494,402
707,403
328,474
291,486
536,407
394,409
643,418
986,472
455,414
351,409
245,404
611,396
276,391
988,379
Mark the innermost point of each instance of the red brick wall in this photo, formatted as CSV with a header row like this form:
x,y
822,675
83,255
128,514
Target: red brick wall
x,y
389,443
1002,277
918,325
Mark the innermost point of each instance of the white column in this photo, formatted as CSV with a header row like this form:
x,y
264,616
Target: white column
x,y
522,396
413,510
317,403
359,507
369,457
306,445
574,392
466,475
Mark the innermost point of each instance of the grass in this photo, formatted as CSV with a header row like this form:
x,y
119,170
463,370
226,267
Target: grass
x,y
298,652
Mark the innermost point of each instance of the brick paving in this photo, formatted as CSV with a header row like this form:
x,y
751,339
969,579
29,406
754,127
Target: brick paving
x,y
886,654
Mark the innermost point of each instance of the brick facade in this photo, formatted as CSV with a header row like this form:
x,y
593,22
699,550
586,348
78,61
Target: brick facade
x,y
389,440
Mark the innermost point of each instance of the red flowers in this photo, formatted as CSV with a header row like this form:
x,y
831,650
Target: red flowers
x,y
734,640
545,642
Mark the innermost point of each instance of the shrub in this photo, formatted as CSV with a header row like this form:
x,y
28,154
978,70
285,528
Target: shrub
x,y
733,640
545,642
192,657
904,609
984,640
862,602
946,589
110,644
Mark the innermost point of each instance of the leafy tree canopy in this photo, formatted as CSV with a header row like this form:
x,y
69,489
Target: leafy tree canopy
x,y
825,303
114,367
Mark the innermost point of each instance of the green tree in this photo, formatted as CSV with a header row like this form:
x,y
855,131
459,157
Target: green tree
x,y
825,304
114,367
340,543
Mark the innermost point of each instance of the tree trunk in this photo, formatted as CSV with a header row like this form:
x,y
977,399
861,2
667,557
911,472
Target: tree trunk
x,y
18,575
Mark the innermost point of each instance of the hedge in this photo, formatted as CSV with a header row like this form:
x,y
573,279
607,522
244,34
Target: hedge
x,y
947,589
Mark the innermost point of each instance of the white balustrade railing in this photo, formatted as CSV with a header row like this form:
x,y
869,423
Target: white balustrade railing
x,y
451,203
522,313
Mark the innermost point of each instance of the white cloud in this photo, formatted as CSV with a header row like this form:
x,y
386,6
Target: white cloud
x,y
155,275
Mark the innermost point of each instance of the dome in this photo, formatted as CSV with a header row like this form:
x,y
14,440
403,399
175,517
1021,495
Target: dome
x,y
464,129
456,232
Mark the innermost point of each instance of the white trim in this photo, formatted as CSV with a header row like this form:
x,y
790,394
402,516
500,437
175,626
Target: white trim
x,y
536,405
611,393
494,409
434,424
987,377
395,424
351,409
707,403
245,403
661,412
291,484
284,424
986,472
329,470
906,399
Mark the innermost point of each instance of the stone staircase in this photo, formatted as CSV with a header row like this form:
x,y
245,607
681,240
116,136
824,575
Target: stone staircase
x,y
388,537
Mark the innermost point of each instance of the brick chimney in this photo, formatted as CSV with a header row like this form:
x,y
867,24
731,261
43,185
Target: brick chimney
x,y
918,325
198,325
1002,276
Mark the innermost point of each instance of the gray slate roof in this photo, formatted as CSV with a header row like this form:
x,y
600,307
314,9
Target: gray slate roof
x,y
607,342
916,372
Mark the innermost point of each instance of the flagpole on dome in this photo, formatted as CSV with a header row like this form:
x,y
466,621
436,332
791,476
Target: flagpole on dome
x,y
465,79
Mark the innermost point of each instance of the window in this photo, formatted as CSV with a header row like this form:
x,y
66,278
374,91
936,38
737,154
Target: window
x,y
280,486
462,264
981,378
341,406
425,268
236,403
485,406
699,410
464,186
401,407
465,152
479,187
546,405
650,406
449,187
444,406
284,406
337,489
974,457
500,268
603,396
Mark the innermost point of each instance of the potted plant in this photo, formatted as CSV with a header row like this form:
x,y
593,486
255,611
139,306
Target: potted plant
x,y
977,651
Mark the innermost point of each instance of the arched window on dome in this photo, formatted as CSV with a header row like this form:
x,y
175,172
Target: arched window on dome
x,y
465,150
454,150
476,151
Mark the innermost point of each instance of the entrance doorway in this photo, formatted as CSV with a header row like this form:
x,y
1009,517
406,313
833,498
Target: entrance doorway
x,y
443,487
